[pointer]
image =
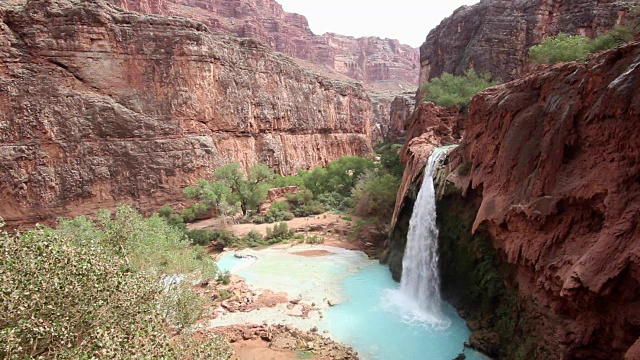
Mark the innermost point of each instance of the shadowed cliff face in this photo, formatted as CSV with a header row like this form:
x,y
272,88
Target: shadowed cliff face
x,y
551,162
99,106
558,157
495,36
381,64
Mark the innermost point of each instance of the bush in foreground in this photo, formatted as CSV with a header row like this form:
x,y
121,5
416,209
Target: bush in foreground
x,y
83,291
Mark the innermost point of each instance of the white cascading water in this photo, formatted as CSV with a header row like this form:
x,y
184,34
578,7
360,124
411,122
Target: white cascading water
x,y
420,277
419,293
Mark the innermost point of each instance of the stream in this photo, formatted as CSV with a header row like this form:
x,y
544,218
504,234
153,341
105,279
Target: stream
x,y
371,314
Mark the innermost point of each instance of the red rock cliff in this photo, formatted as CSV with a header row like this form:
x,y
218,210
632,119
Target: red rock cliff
x,y
379,63
99,106
557,157
495,36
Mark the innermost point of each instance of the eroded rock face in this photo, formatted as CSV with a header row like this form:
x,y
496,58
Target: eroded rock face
x,y
381,63
495,36
557,157
548,177
100,106
400,112
429,127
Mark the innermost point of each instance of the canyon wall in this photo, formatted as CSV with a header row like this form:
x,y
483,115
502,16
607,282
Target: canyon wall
x,y
494,36
100,106
381,64
539,216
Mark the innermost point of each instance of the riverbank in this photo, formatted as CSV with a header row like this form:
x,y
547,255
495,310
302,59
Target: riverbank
x,y
337,230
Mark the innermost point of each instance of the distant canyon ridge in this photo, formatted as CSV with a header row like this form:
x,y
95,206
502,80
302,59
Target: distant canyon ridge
x,y
379,64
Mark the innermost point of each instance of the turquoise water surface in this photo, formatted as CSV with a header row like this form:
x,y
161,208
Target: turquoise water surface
x,y
371,316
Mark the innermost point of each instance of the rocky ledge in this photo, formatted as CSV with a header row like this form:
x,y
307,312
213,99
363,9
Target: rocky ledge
x,y
286,337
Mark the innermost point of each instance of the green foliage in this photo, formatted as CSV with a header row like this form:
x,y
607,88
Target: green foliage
x,y
225,294
82,291
300,198
450,90
283,181
340,175
390,160
312,208
375,195
253,236
302,203
165,211
331,201
250,193
314,239
279,211
563,47
614,38
181,306
150,244
224,238
279,233
224,277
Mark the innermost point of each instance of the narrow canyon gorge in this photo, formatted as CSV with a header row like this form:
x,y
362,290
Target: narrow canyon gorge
x,y
535,226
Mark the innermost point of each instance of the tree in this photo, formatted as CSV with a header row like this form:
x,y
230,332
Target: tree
x,y
249,192
450,90
563,47
375,195
340,175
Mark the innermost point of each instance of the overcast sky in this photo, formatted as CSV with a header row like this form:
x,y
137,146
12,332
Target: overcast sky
x,y
406,20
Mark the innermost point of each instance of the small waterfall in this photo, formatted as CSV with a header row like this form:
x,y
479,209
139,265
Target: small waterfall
x,y
420,278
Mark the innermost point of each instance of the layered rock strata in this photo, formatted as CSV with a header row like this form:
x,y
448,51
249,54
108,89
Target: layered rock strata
x,y
494,36
384,64
100,106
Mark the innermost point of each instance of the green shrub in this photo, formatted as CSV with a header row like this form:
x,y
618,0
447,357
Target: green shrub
x,y
390,160
339,176
312,208
201,237
222,237
253,239
82,291
614,38
375,196
279,211
165,211
279,233
450,90
331,201
225,294
314,239
563,47
182,307
300,198
224,277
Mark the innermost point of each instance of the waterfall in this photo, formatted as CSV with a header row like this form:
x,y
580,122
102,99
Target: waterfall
x,y
420,278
